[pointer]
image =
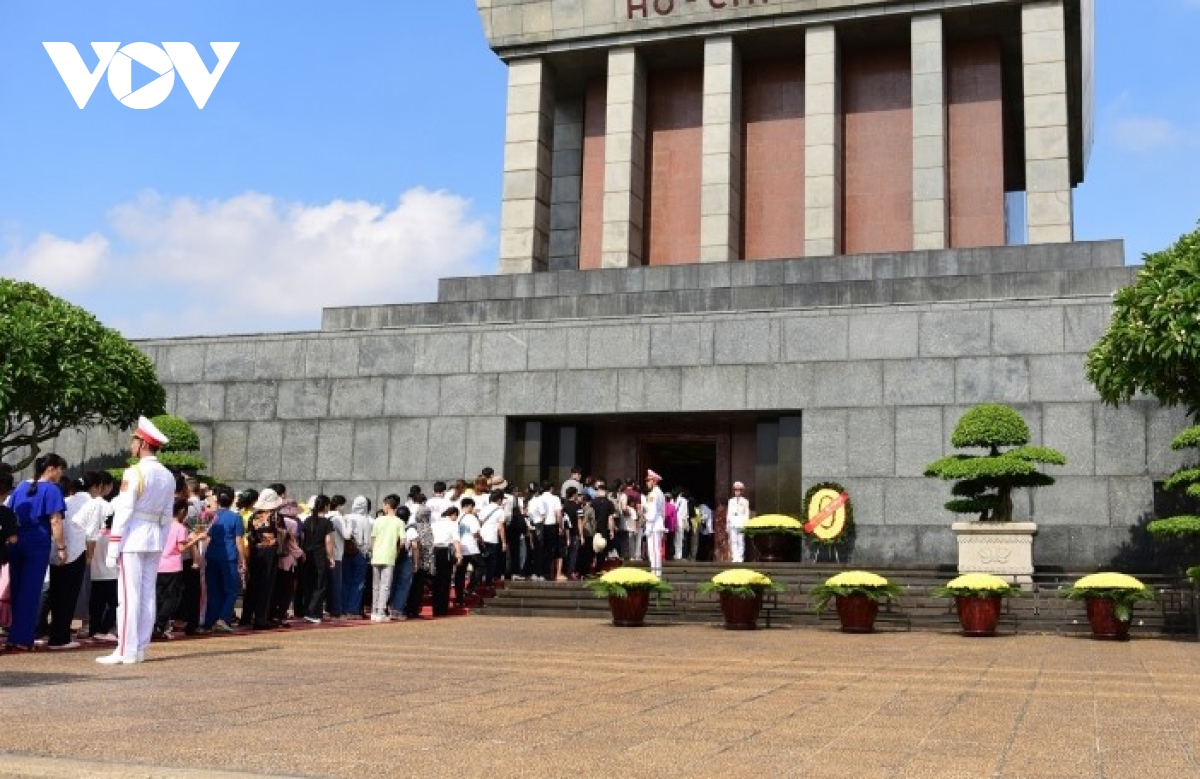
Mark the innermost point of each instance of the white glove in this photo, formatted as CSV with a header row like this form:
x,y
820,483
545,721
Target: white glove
x,y
111,555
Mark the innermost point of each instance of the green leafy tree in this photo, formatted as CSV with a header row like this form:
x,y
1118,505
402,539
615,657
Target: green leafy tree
x,y
984,483
64,370
1153,341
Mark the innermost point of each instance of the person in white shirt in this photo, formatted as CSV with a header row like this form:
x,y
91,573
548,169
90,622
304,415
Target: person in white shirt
x,y
653,511
491,533
355,531
683,519
438,504
737,514
446,550
549,515
469,541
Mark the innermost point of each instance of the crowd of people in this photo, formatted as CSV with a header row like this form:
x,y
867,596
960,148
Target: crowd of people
x,y
320,558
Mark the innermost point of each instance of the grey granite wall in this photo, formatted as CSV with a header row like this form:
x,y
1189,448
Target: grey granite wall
x,y
880,389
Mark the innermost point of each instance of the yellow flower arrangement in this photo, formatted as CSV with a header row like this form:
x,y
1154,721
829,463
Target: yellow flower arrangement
x,y
774,523
1111,581
626,577
856,579
742,577
977,585
741,582
1122,589
619,582
849,583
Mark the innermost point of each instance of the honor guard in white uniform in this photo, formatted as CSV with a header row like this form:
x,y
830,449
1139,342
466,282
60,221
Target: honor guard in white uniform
x,y
737,514
142,515
654,512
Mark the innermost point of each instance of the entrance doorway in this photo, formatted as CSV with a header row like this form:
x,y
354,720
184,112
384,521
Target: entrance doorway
x,y
684,462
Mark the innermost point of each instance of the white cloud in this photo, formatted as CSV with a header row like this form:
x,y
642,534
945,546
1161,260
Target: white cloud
x,y
1146,133
254,263
56,262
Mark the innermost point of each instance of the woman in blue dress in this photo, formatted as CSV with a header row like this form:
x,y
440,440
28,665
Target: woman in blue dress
x,y
40,509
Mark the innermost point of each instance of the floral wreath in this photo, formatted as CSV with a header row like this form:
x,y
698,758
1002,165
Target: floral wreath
x,y
830,514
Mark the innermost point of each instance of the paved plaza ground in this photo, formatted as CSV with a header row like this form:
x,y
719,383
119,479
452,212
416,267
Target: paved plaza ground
x,y
498,697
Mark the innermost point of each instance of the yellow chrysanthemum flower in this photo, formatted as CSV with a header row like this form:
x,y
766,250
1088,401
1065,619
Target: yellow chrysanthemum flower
x,y
776,520
626,576
1109,581
856,579
978,581
741,577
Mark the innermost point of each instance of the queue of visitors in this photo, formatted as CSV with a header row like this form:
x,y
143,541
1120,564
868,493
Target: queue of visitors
x,y
313,560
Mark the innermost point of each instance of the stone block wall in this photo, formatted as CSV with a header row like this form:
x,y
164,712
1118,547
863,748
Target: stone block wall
x,y
879,389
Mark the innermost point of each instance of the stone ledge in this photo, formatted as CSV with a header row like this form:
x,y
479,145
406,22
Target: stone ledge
x,y
860,267
1029,285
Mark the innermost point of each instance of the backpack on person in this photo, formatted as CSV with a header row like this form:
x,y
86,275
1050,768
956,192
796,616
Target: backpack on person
x,y
349,545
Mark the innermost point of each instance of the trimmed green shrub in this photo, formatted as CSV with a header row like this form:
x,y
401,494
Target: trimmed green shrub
x,y
984,483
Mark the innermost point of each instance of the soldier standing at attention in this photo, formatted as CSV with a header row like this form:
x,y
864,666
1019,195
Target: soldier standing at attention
x,y
736,517
142,514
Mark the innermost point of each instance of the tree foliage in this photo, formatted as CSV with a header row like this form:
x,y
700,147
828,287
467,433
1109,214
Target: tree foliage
x,y
1187,481
984,483
62,369
1152,344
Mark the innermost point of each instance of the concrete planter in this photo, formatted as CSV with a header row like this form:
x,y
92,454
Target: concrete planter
x,y
1004,549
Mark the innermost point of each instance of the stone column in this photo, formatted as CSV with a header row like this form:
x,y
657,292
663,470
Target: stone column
x,y
929,133
1047,136
721,171
565,184
624,160
822,143
528,140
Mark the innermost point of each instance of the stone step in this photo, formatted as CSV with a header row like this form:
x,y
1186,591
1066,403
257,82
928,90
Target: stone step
x,y
769,273
1041,610
1023,285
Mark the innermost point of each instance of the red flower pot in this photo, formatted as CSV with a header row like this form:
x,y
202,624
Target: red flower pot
x,y
857,613
740,613
774,547
630,611
1102,615
979,616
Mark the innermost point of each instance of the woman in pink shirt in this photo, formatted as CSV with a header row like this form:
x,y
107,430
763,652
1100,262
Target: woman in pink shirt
x,y
169,584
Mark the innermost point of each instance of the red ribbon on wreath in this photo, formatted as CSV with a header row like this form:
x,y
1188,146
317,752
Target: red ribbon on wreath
x,y
826,513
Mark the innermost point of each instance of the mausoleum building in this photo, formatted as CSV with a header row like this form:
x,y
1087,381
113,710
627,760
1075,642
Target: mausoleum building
x,y
780,242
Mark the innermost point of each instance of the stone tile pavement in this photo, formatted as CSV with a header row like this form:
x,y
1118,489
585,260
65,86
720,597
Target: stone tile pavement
x,y
546,697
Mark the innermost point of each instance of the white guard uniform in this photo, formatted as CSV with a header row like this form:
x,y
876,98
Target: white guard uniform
x,y
736,517
142,514
654,511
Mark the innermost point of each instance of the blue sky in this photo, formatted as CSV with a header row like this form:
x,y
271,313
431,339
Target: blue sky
x,y
351,153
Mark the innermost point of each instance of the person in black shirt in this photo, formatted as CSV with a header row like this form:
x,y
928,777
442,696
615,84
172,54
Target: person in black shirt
x,y
264,534
318,558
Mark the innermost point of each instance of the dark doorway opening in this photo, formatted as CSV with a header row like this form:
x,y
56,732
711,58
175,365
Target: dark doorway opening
x,y
684,463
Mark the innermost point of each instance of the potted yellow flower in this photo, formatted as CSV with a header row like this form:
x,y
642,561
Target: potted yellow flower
x,y
741,592
857,595
978,597
628,591
775,537
1109,598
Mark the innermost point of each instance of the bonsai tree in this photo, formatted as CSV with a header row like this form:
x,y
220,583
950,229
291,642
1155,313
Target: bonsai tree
x,y
1184,528
64,370
984,483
